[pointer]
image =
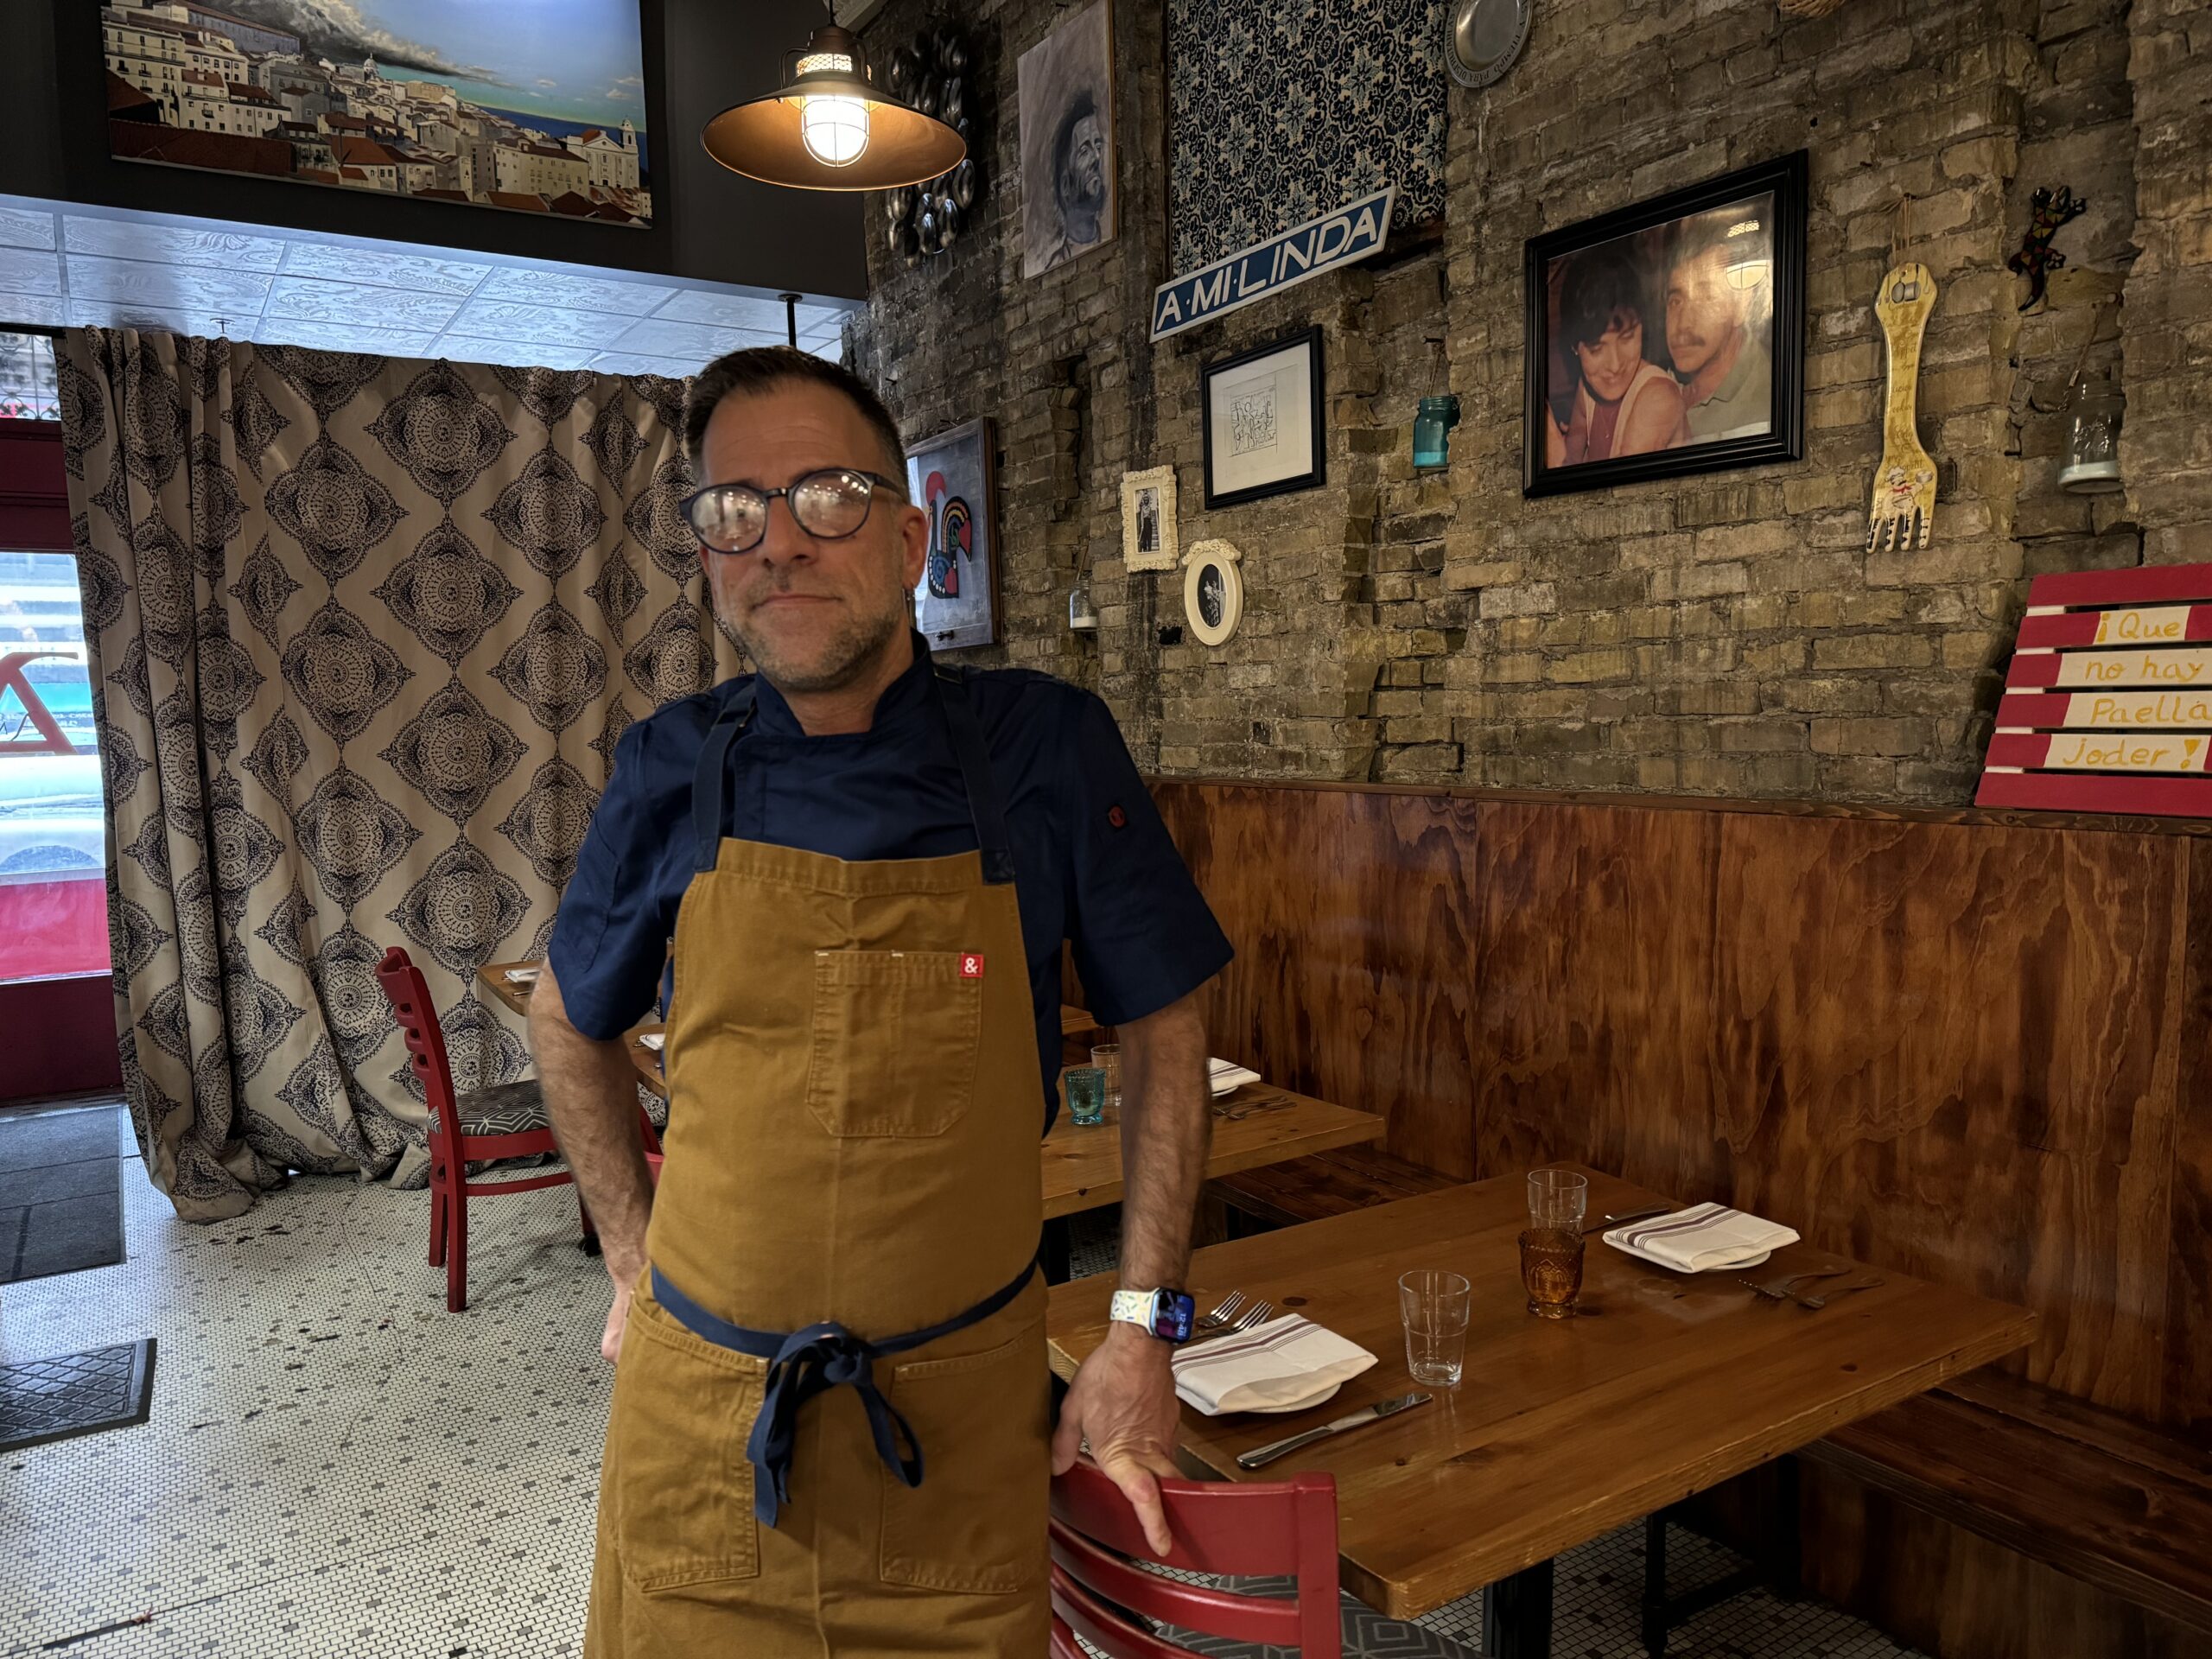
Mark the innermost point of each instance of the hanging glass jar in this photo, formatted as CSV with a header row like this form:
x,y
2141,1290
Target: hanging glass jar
x,y
1083,618
2093,416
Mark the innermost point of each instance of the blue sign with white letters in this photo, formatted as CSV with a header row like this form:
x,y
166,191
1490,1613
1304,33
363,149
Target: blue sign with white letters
x,y
1350,234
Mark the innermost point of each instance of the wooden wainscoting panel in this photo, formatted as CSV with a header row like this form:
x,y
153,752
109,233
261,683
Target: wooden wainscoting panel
x,y
2187,1405
1594,961
1950,1049
1352,914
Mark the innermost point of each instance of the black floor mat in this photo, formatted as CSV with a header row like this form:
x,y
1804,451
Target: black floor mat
x,y
61,1192
76,1394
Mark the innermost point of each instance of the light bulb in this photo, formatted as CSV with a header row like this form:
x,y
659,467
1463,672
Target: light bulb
x,y
834,130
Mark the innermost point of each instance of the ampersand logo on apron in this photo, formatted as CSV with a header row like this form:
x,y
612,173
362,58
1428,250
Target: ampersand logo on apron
x,y
971,965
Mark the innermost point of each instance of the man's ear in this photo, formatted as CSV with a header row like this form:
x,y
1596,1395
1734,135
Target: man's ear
x,y
914,543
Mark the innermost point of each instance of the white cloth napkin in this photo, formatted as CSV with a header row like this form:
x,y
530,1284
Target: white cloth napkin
x,y
1226,1075
1278,1364
1701,1237
521,975
653,1040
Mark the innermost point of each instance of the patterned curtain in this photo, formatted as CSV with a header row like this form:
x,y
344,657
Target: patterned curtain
x,y
363,632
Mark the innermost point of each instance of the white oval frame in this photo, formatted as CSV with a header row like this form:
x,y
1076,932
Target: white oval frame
x,y
1222,556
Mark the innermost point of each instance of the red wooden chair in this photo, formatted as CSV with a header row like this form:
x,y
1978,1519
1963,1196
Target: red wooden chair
x,y
1270,1548
506,1120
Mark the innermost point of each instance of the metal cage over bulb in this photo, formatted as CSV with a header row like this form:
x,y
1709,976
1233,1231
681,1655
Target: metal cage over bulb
x,y
830,127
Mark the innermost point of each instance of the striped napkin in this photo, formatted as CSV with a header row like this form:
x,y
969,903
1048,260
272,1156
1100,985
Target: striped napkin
x,y
1272,1366
1701,1237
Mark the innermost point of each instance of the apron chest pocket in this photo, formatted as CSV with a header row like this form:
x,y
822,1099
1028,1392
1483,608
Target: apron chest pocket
x,y
894,1040
978,1522
682,1508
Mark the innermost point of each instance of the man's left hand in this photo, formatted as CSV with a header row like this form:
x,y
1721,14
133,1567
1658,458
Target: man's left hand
x,y
1122,1401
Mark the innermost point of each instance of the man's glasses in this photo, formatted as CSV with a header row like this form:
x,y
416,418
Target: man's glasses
x,y
830,504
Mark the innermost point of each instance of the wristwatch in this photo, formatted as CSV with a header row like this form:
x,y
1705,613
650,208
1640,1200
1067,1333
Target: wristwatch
x,y
1164,1314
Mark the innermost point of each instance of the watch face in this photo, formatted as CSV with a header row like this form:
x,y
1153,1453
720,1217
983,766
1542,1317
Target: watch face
x,y
1171,1315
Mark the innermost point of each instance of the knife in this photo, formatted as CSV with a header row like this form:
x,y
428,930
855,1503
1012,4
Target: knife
x,y
1375,1412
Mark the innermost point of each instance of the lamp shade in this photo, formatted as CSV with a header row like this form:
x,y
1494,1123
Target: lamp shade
x,y
830,127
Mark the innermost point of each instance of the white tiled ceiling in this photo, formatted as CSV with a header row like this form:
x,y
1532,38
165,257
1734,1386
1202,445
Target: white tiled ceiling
x,y
63,265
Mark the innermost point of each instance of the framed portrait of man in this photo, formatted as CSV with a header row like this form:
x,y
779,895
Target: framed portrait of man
x,y
1670,338
1065,87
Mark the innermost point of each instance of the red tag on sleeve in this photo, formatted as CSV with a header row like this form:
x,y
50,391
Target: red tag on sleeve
x,y
971,965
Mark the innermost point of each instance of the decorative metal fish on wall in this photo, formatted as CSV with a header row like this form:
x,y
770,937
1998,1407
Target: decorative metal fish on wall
x,y
2037,258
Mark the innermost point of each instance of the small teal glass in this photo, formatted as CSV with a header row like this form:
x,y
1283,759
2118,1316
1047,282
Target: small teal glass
x,y
1432,425
1086,1090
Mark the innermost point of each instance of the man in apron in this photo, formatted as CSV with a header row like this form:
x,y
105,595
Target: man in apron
x,y
829,1429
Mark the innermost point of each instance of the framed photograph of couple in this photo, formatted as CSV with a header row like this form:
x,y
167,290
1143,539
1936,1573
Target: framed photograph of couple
x,y
1668,338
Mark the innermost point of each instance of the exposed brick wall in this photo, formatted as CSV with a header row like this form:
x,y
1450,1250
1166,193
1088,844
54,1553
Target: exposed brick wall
x,y
1724,634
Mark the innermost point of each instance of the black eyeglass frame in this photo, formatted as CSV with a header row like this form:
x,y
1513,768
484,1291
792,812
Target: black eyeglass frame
x,y
876,480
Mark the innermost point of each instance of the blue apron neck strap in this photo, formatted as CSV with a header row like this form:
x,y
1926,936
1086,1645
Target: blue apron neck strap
x,y
975,758
710,781
707,779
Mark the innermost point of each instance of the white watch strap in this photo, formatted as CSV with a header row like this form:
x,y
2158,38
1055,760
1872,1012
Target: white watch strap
x,y
1133,1307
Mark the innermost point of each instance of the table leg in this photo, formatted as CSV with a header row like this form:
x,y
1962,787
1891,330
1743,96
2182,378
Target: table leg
x,y
1517,1615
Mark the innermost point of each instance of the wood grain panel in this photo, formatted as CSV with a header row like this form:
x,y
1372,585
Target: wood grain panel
x,y
2187,1403
1352,916
1941,1048
1595,945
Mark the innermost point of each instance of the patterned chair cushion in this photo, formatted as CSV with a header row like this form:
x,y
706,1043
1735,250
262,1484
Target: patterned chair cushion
x,y
1367,1634
504,1108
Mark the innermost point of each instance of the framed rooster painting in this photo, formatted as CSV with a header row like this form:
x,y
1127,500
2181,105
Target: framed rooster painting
x,y
951,479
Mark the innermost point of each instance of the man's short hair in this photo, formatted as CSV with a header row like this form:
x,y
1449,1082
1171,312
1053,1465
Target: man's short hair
x,y
1690,238
763,368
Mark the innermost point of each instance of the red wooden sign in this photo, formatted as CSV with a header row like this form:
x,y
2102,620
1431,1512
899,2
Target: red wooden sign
x,y
2108,705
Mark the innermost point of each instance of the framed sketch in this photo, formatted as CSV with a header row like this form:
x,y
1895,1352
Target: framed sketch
x,y
1213,592
536,108
951,477
1148,538
1670,337
1065,94
1262,412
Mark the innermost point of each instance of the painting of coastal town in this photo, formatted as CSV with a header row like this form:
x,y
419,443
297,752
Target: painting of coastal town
x,y
536,106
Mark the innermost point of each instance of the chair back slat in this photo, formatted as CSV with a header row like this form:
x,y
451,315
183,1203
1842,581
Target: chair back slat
x,y
1273,1529
403,987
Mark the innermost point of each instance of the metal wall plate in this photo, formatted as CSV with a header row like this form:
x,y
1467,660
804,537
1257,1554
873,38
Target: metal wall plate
x,y
1486,37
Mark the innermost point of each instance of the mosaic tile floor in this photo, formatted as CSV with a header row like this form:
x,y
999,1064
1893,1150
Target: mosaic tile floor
x,y
334,1465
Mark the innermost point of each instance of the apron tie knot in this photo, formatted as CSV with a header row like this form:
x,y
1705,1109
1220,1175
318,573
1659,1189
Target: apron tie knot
x,y
811,1363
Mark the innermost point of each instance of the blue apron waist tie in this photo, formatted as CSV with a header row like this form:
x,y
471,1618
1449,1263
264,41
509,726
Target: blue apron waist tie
x,y
805,1364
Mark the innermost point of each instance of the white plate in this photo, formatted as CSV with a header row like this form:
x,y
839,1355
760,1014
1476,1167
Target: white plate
x,y
1307,1404
1732,1267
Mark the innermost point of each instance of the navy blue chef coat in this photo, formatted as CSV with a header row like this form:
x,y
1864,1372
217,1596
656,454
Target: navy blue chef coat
x,y
1093,863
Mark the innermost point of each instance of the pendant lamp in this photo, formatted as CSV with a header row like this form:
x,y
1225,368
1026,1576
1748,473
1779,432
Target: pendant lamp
x,y
830,127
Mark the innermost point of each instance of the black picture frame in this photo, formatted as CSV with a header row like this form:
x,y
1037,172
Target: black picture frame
x,y
1311,476
1642,231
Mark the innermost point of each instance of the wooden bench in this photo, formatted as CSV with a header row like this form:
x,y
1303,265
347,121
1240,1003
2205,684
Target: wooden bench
x,y
2099,1496
1322,1184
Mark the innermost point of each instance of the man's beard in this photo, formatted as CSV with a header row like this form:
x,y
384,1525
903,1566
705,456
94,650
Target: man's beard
x,y
849,652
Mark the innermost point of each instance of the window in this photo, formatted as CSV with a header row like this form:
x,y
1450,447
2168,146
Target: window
x,y
53,827
27,379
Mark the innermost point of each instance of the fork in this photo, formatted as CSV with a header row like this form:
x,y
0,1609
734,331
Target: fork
x,y
1902,514
1816,1303
1255,1315
1223,1315
1778,1290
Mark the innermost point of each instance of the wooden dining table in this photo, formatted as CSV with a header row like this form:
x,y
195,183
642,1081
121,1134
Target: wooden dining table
x,y
1257,1124
1561,1431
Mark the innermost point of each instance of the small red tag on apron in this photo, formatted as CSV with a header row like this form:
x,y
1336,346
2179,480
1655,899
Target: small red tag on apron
x,y
971,965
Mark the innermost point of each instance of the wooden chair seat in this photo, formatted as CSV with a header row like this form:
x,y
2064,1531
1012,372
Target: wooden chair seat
x,y
2084,1490
1325,1184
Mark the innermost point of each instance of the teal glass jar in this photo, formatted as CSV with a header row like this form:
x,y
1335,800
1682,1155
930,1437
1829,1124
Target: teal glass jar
x,y
1432,426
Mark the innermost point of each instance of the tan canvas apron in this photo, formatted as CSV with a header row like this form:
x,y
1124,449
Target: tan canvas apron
x,y
851,1160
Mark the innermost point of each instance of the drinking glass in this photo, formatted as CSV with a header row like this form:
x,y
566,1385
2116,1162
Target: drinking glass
x,y
1558,1197
1551,1269
1432,1304
1551,1250
1086,1090
1107,1057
